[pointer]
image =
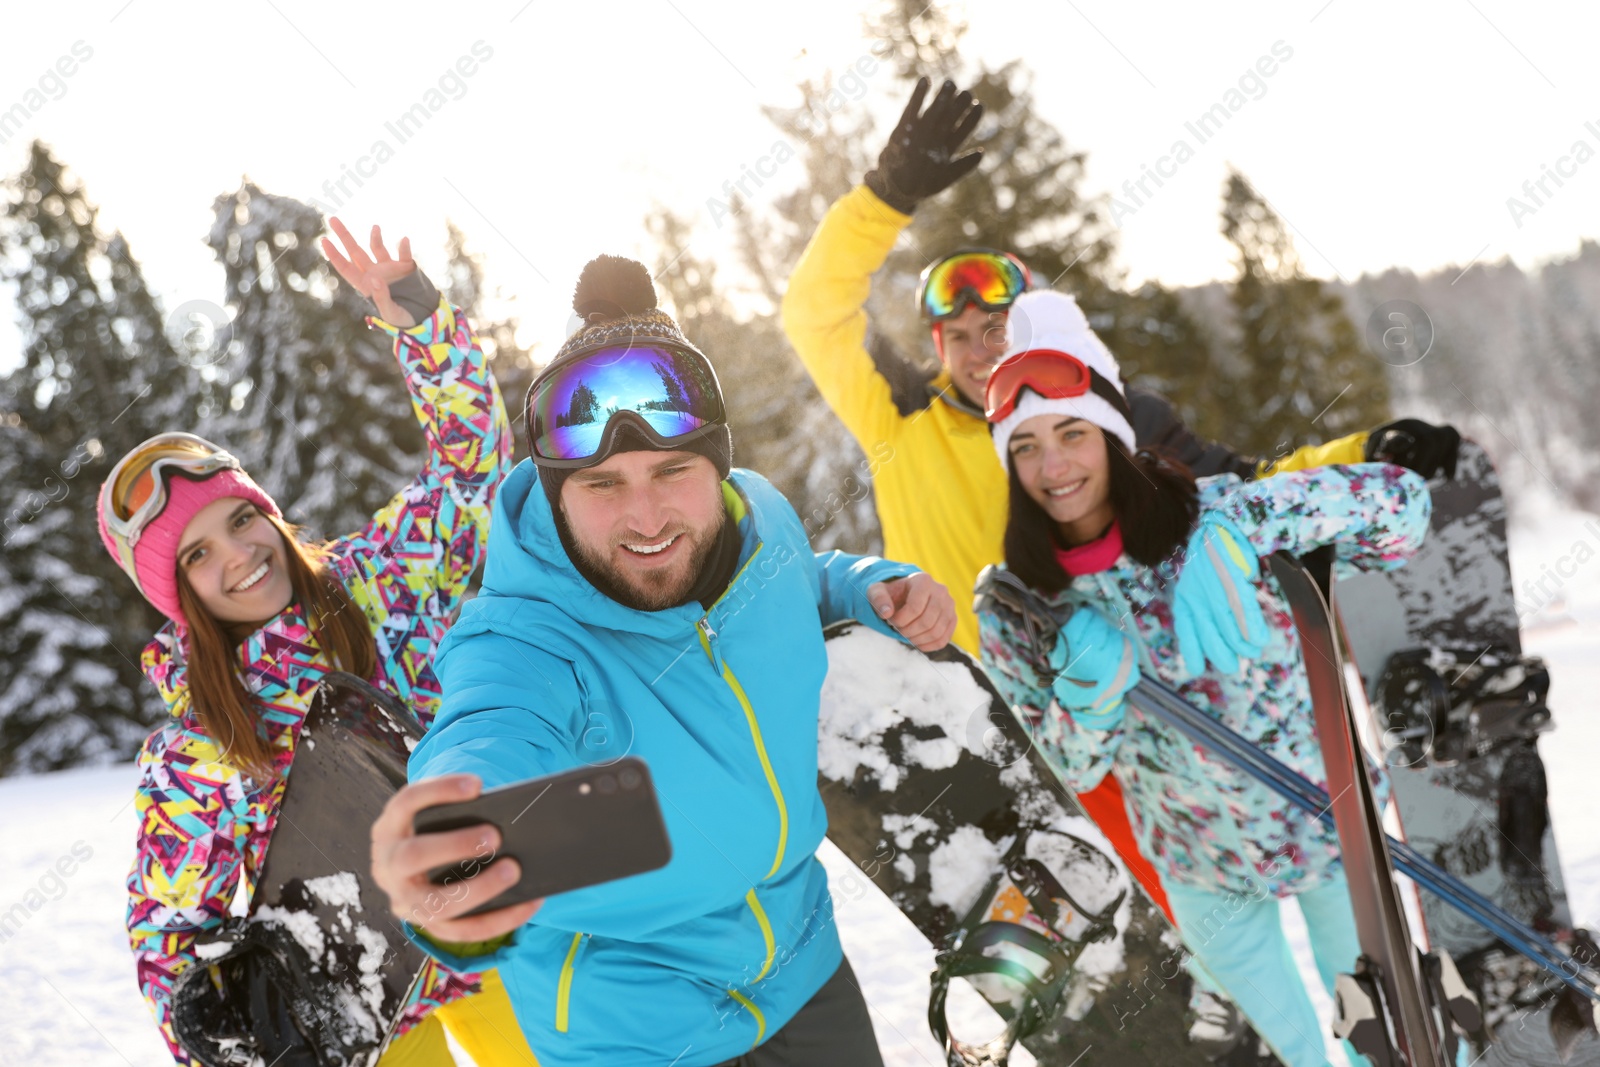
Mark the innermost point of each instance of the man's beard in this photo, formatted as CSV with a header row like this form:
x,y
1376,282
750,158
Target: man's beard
x,y
648,590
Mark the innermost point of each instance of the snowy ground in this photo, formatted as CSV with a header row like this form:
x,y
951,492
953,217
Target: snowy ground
x,y
66,990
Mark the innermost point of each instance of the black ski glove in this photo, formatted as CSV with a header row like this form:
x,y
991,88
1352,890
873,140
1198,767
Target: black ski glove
x,y
917,163
1421,446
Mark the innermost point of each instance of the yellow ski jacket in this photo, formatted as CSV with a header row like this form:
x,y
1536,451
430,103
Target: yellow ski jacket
x,y
941,492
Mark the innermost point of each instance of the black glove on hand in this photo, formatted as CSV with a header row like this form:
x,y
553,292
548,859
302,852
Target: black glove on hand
x,y
1420,446
916,162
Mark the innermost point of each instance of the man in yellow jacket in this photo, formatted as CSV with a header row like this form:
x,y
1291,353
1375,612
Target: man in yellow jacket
x,y
941,494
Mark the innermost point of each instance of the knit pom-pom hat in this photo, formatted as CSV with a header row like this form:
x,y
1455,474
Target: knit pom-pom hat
x,y
1050,321
614,303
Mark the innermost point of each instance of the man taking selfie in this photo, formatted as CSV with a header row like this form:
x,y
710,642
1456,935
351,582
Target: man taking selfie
x,y
641,598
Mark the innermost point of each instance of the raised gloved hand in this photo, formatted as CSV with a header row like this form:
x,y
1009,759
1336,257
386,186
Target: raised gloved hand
x,y
1094,666
1416,445
1214,609
917,163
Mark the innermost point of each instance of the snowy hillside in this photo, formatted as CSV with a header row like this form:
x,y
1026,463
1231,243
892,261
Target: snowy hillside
x,y
66,838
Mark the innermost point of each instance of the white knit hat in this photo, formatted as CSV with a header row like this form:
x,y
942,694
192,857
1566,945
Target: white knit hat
x,y
1047,320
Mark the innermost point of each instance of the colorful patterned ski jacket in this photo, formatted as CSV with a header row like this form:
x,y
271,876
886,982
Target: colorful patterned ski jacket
x,y
1202,822
699,961
203,825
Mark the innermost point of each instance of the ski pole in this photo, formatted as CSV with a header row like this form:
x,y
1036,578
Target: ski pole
x,y
1160,701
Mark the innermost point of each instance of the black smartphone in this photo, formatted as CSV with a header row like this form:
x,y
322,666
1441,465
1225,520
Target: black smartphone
x,y
569,830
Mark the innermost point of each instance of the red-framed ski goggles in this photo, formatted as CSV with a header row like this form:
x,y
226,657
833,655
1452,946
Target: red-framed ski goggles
x,y
135,491
669,395
981,276
1053,375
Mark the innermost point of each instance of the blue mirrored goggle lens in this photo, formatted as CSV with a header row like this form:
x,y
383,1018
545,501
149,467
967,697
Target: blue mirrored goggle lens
x,y
674,393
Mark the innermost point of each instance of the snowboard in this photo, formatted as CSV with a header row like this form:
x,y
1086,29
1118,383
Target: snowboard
x,y
1459,711
934,789
341,970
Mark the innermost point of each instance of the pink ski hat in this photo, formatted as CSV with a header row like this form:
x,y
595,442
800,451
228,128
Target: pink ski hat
x,y
183,473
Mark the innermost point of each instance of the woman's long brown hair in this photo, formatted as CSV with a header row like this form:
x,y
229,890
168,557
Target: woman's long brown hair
x,y
217,693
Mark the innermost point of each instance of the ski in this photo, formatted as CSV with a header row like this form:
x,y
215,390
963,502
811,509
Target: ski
x,y
1388,970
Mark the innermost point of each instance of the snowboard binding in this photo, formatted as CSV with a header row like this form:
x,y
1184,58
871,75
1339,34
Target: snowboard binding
x,y
1490,699
1024,935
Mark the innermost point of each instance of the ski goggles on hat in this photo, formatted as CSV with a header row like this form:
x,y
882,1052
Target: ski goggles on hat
x,y
668,395
136,490
1053,375
989,279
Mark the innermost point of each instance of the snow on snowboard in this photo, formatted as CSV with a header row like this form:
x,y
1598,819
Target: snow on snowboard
x,y
1439,648
935,791
319,972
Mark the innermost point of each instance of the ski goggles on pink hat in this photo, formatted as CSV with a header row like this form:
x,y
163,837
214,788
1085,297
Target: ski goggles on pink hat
x,y
136,490
575,409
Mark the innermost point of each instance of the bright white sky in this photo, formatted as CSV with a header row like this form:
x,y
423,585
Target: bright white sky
x,y
1393,135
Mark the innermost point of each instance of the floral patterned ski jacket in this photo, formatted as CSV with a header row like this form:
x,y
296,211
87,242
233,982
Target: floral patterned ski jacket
x,y
203,825
1202,822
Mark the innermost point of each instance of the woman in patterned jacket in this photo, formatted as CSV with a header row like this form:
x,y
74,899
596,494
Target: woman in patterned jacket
x,y
1096,527
259,616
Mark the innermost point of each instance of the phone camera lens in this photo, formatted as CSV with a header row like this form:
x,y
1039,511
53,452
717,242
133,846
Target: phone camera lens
x,y
606,784
630,779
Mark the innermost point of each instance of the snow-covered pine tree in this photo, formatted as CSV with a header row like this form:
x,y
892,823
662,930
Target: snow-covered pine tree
x,y
96,377
317,409
1303,374
70,692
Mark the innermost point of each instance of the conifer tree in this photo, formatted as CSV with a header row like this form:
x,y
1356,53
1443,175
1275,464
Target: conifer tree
x,y
96,377
1027,197
1303,373
316,409
512,363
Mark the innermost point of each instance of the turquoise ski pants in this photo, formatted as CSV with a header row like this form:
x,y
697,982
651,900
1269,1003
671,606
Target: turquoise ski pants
x,y
1240,942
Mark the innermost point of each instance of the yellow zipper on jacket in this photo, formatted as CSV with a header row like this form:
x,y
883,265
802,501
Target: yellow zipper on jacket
x,y
564,986
766,934
708,638
761,1020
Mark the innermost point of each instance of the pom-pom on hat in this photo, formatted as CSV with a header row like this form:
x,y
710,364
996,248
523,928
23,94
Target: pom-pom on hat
x,y
616,303
1046,320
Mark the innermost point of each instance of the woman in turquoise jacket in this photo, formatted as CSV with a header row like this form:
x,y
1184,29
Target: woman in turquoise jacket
x,y
1100,529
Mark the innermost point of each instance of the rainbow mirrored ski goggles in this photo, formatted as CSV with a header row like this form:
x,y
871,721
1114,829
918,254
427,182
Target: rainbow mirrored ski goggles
x,y
992,280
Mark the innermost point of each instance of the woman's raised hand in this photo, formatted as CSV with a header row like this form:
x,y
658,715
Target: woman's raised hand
x,y
371,275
